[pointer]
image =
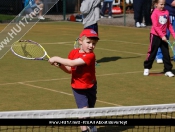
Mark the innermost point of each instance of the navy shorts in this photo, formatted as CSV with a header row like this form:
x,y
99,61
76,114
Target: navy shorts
x,y
85,97
94,27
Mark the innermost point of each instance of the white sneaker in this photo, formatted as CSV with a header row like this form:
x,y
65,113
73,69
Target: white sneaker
x,y
41,17
146,72
138,24
142,25
169,74
109,17
159,61
102,16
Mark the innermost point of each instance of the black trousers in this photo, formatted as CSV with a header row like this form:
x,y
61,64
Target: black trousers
x,y
142,9
138,6
155,43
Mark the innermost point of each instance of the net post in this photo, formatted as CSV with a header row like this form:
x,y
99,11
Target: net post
x,y
64,10
124,12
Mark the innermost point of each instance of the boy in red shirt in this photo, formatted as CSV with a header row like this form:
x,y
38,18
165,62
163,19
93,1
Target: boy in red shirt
x,y
81,64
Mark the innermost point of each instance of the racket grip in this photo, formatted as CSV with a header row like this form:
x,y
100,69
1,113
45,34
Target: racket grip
x,y
59,64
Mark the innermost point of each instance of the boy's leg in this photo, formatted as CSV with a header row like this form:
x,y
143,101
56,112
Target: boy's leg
x,y
82,102
92,97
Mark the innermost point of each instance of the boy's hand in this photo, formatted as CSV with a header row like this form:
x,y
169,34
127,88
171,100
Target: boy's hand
x,y
53,62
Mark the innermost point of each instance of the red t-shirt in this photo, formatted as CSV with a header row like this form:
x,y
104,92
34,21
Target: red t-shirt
x,y
83,77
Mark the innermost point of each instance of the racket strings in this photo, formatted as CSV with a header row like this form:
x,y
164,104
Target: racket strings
x,y
28,50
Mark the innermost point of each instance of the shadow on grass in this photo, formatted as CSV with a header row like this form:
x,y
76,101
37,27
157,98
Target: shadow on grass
x,y
160,73
113,58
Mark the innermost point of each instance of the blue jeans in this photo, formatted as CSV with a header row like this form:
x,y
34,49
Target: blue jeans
x,y
103,10
159,52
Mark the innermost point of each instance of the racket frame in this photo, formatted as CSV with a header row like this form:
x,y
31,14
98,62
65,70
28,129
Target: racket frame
x,y
171,46
76,45
32,42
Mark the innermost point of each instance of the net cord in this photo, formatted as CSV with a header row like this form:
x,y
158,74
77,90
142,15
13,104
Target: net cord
x,y
89,112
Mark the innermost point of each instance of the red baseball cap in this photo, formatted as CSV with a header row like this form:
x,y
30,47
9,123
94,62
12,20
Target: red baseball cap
x,y
89,33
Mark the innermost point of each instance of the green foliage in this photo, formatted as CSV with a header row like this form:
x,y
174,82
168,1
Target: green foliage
x,y
4,18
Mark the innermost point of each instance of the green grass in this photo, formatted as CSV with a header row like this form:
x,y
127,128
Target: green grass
x,y
6,17
120,52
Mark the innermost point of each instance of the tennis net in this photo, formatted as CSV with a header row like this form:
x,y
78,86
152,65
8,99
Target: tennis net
x,y
144,118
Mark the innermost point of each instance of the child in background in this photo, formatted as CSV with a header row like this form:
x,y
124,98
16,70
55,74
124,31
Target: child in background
x,y
91,14
158,38
104,7
30,5
81,64
170,6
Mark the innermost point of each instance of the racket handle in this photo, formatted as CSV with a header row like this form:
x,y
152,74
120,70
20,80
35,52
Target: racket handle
x,y
59,64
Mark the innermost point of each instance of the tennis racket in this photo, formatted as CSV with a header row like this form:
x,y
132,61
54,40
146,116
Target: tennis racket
x,y
172,46
76,44
30,50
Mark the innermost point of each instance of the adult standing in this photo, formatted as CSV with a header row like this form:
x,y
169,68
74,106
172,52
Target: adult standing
x,y
138,6
91,14
31,4
147,12
107,4
170,6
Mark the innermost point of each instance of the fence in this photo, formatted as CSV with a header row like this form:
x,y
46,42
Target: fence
x,y
64,8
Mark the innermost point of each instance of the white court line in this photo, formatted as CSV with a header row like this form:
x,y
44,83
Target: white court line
x,y
125,42
63,93
67,43
57,79
24,83
121,51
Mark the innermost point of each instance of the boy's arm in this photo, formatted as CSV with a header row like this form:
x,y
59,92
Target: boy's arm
x,y
66,64
66,69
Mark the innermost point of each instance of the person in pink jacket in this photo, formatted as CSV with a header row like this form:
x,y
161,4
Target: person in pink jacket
x,y
158,38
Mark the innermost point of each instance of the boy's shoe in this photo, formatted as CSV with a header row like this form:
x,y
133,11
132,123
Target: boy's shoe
x,y
169,74
159,61
102,16
142,25
138,24
109,16
92,128
146,72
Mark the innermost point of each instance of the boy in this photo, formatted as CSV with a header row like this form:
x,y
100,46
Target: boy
x,y
81,64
